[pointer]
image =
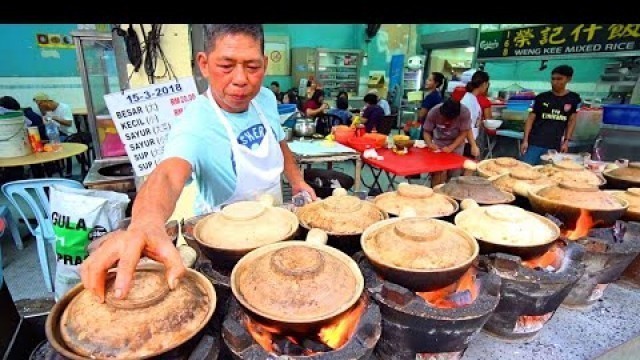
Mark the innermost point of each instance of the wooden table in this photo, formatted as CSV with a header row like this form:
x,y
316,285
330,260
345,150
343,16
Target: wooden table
x,y
317,151
417,161
68,150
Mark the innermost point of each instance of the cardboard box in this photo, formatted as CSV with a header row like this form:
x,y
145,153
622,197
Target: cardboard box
x,y
376,81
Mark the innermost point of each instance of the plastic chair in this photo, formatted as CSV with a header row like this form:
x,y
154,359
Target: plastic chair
x,y
32,192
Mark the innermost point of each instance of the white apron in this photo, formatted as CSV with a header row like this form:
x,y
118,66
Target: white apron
x,y
257,171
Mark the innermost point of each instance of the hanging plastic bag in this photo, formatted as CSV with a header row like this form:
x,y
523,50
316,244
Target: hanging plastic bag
x,y
80,216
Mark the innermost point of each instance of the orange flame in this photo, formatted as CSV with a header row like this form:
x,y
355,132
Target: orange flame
x,y
339,331
583,225
441,298
553,258
334,335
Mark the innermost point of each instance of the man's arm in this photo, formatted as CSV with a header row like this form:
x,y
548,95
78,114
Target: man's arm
x,y
168,178
571,126
292,172
154,204
458,141
527,130
60,120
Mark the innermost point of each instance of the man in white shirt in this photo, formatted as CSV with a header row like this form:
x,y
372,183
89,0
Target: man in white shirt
x,y
384,104
58,112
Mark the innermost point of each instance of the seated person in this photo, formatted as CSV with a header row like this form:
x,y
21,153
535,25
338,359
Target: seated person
x,y
341,111
372,115
446,127
384,104
32,119
59,112
315,106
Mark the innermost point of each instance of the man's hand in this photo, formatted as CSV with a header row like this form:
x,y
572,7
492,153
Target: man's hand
x,y
126,247
447,149
523,147
433,146
475,151
564,147
303,186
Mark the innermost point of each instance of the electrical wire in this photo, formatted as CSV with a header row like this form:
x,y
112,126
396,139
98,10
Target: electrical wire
x,y
153,53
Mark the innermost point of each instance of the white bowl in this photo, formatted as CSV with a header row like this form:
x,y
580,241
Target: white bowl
x,y
492,124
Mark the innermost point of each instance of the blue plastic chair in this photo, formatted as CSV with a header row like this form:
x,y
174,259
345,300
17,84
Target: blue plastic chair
x,y
32,192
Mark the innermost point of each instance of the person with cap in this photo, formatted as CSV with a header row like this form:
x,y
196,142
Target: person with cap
x,y
228,140
56,111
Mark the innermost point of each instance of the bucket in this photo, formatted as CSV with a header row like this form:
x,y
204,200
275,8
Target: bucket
x,y
13,135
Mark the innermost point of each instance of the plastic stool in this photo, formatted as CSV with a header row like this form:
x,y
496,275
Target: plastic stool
x,y
12,225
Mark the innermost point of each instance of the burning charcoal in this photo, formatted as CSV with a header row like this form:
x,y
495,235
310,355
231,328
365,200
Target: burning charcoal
x,y
315,346
284,346
461,298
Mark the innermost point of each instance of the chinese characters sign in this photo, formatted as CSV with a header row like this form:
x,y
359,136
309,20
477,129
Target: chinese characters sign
x,y
559,39
143,119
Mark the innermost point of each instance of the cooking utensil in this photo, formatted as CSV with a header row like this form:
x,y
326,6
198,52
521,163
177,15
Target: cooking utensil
x,y
305,127
422,199
507,229
632,196
226,236
623,177
342,217
152,319
474,187
421,254
297,285
568,201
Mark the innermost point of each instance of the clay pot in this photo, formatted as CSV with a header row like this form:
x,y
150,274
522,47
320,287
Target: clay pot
x,y
474,187
507,229
297,285
421,254
422,199
152,319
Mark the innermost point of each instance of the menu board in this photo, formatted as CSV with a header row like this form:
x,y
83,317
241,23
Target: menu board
x,y
559,40
143,119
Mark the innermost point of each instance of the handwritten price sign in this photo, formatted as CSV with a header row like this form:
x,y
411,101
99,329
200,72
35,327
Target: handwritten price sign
x,y
143,119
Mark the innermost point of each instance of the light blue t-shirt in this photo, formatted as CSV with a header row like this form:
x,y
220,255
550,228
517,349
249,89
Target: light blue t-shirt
x,y
199,137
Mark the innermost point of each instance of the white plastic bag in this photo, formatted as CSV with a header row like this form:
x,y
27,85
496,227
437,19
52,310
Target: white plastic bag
x,y
80,216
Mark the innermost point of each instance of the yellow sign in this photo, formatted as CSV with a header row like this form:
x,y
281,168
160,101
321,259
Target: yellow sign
x,y
54,41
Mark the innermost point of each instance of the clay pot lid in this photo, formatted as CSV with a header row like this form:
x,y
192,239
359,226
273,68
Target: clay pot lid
x,y
525,174
340,214
501,165
530,176
631,172
570,171
568,164
150,321
420,244
422,199
632,196
246,225
474,187
580,195
297,282
506,225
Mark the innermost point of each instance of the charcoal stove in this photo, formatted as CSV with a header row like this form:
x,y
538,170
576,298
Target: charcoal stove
x,y
530,294
413,329
205,346
243,345
608,252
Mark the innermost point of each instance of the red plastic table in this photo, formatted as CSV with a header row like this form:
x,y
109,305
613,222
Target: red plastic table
x,y
417,161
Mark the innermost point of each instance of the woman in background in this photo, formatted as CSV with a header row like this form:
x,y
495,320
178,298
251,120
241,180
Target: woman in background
x,y
476,90
372,115
435,87
315,106
341,111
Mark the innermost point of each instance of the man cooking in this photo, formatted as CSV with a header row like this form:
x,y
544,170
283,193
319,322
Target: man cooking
x,y
230,138
551,123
